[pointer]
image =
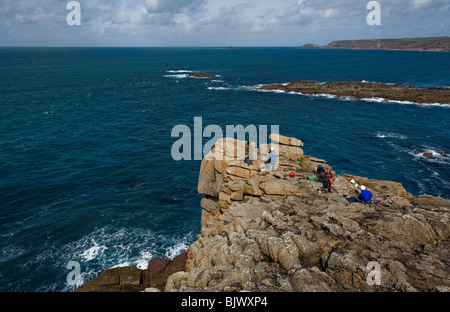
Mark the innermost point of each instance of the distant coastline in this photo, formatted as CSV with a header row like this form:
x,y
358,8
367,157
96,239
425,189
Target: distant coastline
x,y
436,44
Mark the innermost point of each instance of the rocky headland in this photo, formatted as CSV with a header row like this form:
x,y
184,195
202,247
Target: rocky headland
x,y
436,44
273,231
365,90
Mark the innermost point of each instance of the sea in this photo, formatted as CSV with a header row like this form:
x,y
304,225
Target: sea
x,y
87,174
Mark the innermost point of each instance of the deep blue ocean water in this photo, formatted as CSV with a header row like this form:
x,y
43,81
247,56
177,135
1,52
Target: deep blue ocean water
x,y
86,172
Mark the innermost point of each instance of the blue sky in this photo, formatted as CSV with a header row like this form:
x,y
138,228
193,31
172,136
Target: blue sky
x,y
215,22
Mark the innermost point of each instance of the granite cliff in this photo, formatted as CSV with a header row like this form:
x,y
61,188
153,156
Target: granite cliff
x,y
269,231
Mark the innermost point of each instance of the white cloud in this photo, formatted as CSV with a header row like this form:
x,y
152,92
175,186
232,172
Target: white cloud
x,y
210,22
419,3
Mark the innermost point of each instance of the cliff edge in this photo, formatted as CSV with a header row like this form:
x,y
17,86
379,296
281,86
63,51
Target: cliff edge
x,y
268,231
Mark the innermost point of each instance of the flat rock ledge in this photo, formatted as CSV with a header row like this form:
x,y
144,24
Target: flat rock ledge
x,y
365,90
267,231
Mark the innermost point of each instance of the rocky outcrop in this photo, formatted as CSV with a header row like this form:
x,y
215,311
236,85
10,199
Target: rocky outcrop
x,y
276,231
269,231
132,279
201,75
365,90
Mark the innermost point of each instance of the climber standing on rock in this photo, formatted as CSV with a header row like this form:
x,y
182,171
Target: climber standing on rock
x,y
271,162
248,158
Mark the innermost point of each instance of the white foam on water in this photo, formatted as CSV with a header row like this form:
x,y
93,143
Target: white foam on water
x,y
417,153
328,96
113,248
438,158
349,98
193,77
179,71
383,100
374,99
177,76
177,249
93,252
145,257
257,88
218,88
10,252
383,135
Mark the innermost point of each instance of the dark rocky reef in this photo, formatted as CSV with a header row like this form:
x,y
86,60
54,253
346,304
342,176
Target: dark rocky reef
x,y
201,75
132,279
365,90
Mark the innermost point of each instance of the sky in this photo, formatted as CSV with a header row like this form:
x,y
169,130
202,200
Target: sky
x,y
149,23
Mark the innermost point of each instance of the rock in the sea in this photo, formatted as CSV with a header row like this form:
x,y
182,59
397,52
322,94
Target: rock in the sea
x,y
201,75
365,90
428,155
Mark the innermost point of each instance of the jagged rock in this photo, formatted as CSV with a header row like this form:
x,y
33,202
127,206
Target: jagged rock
x,y
210,204
210,181
288,237
122,279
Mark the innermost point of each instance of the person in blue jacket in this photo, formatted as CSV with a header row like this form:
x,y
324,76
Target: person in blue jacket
x,y
364,197
271,162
